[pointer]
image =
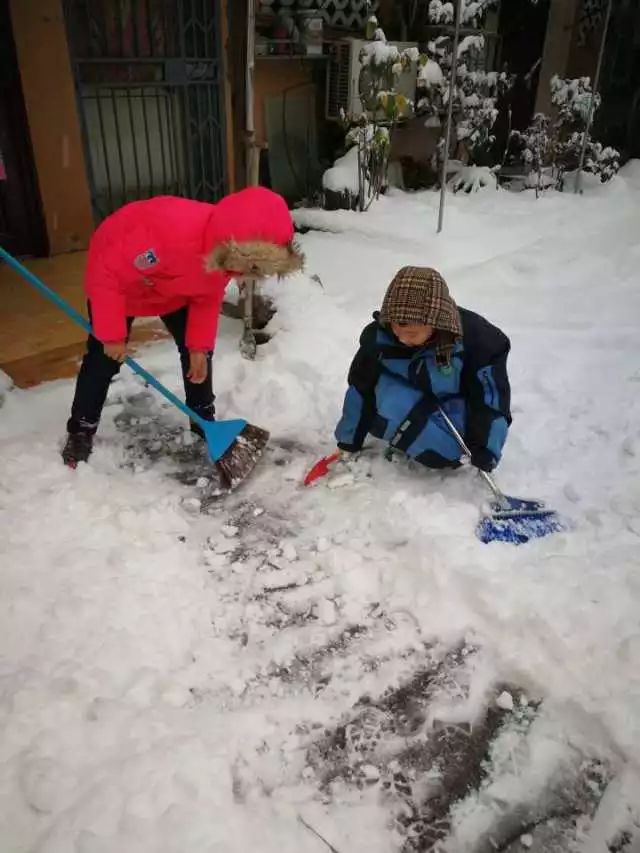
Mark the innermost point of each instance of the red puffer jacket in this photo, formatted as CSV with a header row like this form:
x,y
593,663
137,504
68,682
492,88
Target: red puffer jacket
x,y
148,259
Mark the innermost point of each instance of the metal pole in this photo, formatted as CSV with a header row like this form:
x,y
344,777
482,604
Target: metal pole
x,y
253,162
447,135
592,104
251,62
463,446
248,346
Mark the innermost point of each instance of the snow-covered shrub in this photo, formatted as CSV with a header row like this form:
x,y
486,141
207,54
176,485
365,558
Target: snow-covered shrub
x,y
368,136
603,161
372,143
572,98
598,159
475,97
479,93
535,143
381,65
358,177
470,179
432,85
549,148
473,12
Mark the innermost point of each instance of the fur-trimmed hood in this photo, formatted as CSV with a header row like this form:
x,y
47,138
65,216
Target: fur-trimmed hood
x,y
251,233
167,253
255,257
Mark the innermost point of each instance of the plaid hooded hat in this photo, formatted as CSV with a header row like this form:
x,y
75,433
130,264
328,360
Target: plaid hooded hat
x,y
419,295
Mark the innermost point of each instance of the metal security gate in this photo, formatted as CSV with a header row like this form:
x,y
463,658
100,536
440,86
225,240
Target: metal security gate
x,y
149,80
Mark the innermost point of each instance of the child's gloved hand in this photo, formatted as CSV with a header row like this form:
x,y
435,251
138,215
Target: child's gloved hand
x,y
197,367
352,453
117,350
483,459
348,457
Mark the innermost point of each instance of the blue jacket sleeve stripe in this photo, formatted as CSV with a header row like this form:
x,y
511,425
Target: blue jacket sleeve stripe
x,y
485,383
351,416
491,393
497,437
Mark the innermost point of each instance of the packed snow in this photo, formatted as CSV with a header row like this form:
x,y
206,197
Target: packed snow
x,y
430,75
177,676
470,44
343,176
473,178
378,52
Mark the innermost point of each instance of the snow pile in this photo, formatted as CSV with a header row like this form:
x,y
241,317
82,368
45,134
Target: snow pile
x,y
378,52
180,681
343,175
473,178
430,74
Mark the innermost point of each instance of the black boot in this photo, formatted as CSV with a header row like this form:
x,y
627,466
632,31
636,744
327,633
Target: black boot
x,y
77,448
207,413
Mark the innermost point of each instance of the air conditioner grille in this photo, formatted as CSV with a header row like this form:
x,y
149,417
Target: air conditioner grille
x,y
338,80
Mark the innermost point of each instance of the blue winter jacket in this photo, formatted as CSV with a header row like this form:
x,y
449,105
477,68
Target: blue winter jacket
x,y
394,393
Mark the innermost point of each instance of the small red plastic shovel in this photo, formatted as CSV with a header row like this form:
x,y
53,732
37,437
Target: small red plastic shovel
x,y
321,468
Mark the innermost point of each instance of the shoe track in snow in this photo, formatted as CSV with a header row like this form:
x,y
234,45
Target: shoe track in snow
x,y
440,773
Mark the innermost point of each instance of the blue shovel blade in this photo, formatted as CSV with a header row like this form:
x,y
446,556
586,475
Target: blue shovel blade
x,y
518,521
220,435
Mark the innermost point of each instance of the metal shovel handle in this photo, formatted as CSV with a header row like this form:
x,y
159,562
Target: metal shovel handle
x,y
463,446
248,346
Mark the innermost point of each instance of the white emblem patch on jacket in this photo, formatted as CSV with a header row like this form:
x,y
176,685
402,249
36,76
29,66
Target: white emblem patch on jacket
x,y
146,260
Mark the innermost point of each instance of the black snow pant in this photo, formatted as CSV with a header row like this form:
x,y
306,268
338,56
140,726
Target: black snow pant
x,y
97,371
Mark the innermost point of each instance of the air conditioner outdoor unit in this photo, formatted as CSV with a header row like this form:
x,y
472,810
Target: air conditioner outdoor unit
x,y
343,76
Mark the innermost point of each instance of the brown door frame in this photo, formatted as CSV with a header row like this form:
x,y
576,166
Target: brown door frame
x,y
22,229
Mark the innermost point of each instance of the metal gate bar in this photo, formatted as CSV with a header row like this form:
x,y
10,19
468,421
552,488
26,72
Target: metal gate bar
x,y
149,81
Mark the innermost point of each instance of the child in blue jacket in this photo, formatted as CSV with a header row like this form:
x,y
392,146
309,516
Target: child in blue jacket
x,y
420,353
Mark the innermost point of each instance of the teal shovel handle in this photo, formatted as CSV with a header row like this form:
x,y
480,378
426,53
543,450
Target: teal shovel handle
x,y
218,441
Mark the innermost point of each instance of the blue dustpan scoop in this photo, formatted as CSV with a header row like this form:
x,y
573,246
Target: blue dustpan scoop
x,y
508,519
516,520
220,435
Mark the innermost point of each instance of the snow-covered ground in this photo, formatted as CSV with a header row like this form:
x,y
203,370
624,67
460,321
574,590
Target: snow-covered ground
x,y
294,663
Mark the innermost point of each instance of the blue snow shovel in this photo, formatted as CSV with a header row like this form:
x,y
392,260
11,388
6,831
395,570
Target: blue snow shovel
x,y
513,520
234,446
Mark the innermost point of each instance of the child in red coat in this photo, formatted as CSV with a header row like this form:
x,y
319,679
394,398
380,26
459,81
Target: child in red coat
x,y
172,257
